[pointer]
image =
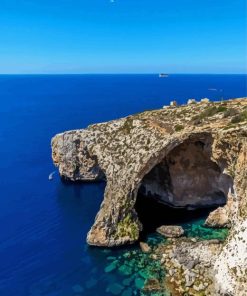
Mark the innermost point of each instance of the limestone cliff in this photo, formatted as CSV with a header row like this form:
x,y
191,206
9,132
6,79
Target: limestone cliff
x,y
188,156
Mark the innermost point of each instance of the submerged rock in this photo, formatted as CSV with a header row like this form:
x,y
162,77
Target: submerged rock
x,y
78,288
115,289
111,267
170,230
152,285
125,269
139,283
127,292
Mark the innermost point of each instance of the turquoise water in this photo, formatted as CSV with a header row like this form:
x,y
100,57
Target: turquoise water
x,y
197,230
134,267
43,224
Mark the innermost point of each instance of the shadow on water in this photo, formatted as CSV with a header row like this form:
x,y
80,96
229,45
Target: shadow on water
x,y
153,214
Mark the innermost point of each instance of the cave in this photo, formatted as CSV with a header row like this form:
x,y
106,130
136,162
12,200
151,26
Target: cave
x,y
186,184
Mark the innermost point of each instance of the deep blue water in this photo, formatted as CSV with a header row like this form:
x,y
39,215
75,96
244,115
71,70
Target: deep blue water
x,y
43,224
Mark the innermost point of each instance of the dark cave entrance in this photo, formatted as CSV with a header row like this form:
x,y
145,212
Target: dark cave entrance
x,y
153,214
186,185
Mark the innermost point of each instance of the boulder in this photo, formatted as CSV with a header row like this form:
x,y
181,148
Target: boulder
x,y
170,230
218,218
145,247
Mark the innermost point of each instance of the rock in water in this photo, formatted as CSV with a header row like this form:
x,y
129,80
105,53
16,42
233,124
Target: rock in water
x,y
218,218
170,230
152,285
145,247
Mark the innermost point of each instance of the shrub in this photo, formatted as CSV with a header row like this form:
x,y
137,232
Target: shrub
x,y
240,117
178,127
230,112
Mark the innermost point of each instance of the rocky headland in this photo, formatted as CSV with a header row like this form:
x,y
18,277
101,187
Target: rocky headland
x,y
190,156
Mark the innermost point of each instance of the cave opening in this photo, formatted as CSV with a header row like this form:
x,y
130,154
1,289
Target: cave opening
x,y
186,185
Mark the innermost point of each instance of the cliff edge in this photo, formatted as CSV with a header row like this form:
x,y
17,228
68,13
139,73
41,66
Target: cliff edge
x,y
187,156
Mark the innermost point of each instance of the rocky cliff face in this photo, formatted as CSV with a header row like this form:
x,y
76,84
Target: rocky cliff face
x,y
188,156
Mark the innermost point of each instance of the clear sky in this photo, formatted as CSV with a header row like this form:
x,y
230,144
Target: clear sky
x,y
123,36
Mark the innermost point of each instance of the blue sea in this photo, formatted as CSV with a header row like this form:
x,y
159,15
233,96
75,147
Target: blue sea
x,y
43,224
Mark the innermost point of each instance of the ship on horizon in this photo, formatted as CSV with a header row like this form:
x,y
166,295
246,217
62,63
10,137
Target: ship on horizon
x,y
163,75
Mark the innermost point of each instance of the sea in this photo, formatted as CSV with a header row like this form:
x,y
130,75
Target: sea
x,y
43,223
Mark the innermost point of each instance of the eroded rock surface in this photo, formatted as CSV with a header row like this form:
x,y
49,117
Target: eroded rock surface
x,y
189,265
218,218
189,156
188,177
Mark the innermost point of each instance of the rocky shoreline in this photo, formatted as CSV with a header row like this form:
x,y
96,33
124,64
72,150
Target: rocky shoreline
x,y
188,264
187,156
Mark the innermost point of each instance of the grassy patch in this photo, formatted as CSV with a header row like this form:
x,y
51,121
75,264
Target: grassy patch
x,y
230,112
127,126
178,127
209,112
240,117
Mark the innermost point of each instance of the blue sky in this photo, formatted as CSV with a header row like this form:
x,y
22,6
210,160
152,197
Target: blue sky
x,y
123,36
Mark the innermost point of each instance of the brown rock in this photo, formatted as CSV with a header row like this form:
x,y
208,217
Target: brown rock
x,y
218,218
152,285
170,230
145,247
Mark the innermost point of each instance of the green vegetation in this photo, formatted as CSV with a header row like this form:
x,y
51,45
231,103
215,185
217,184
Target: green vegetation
x,y
221,109
209,112
240,117
127,227
178,127
128,125
230,112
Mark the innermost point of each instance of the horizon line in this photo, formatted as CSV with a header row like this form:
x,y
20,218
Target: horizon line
x,y
125,73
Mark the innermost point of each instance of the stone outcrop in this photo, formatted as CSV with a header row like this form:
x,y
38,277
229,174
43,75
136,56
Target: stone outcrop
x,y
189,156
189,265
218,218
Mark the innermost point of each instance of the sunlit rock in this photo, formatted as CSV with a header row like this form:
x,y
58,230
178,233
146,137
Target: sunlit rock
x,y
170,230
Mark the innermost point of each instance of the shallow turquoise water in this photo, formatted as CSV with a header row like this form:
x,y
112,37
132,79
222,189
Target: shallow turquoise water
x,y
134,266
196,229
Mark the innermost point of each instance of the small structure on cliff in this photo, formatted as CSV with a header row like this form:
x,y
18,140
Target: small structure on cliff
x,y
205,100
191,101
173,104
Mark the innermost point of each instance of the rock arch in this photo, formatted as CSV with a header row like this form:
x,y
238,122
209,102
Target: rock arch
x,y
117,222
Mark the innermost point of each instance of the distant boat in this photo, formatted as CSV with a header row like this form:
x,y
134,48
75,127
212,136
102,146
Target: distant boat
x,y
213,89
51,175
162,75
